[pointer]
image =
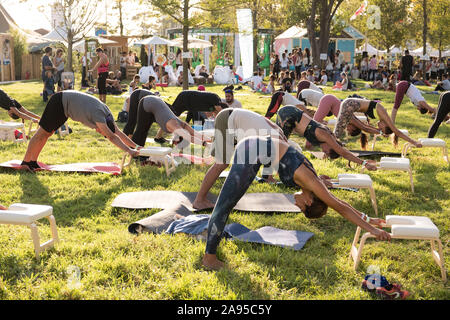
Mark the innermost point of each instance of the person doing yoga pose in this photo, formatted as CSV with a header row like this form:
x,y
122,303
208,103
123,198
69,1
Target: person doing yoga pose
x,y
291,119
80,107
15,109
231,126
295,171
151,109
281,98
442,112
306,84
351,105
330,105
135,97
310,96
406,88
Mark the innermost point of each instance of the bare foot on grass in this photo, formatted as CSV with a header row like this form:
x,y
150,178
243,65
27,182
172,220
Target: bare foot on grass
x,y
210,261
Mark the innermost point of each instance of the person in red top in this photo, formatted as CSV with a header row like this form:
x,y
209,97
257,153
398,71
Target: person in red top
x,y
102,67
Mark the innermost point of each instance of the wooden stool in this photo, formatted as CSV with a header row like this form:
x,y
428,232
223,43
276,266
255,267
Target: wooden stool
x,y
357,181
405,227
27,215
402,164
428,143
7,130
158,153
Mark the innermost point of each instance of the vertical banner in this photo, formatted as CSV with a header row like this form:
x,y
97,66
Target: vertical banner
x,y
245,26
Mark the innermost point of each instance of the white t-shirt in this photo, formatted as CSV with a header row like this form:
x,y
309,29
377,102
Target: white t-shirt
x,y
312,96
313,86
244,123
234,104
289,99
284,62
324,80
414,94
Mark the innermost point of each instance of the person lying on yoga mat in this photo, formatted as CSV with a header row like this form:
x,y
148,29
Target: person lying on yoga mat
x,y
290,119
15,109
351,105
330,105
406,88
80,107
153,108
306,84
442,112
310,96
295,171
282,98
231,126
135,97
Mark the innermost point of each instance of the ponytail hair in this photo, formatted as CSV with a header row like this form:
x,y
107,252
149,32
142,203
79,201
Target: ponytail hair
x,y
363,141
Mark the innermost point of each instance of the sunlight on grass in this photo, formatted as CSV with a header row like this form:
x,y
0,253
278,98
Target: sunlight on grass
x,y
115,264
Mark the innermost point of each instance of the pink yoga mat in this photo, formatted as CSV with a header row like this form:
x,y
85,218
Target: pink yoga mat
x,y
99,167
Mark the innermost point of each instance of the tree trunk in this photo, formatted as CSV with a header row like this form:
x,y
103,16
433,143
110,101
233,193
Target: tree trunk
x,y
119,4
185,44
68,65
255,35
424,36
311,28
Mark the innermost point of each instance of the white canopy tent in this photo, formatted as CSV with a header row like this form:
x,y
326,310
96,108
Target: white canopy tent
x,y
79,46
292,32
193,43
431,52
371,50
154,41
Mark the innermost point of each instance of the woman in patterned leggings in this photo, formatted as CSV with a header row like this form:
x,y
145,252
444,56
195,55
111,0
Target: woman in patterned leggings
x,y
351,105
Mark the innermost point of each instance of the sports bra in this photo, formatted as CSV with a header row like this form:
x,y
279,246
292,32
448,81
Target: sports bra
x,y
290,162
372,106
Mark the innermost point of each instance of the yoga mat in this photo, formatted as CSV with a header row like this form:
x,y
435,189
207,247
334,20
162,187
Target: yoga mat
x,y
269,235
255,202
159,222
100,167
360,154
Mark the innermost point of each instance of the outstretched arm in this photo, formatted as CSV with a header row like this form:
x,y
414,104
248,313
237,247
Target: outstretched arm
x,y
343,152
385,117
311,182
364,127
103,129
23,115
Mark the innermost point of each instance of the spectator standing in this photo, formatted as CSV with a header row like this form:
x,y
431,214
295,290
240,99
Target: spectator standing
x,y
58,62
102,67
284,62
277,66
123,64
178,59
441,69
372,68
47,65
406,66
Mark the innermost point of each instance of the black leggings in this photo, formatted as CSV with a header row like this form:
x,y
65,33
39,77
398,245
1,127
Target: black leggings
x,y
275,104
101,82
144,123
441,112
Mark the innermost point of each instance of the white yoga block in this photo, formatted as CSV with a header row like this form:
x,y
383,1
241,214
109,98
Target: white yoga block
x,y
395,163
331,122
404,131
362,118
354,180
20,213
432,142
412,226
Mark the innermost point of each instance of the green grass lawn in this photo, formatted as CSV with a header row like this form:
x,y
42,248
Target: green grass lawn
x,y
115,264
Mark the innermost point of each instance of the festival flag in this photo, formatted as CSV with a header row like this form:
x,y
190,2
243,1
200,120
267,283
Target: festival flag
x,y
360,11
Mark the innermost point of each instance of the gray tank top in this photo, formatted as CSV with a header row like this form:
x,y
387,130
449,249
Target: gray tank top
x,y
159,109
